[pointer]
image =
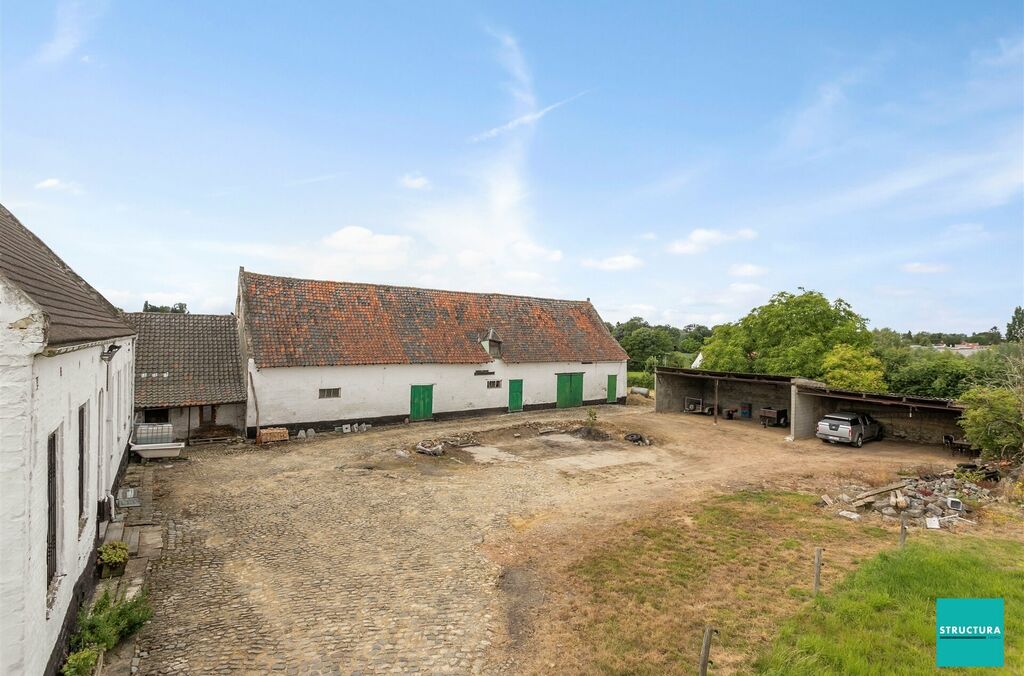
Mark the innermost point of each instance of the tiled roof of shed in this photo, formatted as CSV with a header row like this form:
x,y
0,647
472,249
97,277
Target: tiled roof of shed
x,y
76,312
301,322
199,354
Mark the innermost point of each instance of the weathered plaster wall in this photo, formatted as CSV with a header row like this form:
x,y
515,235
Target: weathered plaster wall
x,y
290,395
40,395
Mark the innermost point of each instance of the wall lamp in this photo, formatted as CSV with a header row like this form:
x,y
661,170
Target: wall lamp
x,y
109,353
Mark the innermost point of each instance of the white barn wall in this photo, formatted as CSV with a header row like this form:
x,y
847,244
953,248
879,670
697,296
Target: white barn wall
x,y
40,395
291,395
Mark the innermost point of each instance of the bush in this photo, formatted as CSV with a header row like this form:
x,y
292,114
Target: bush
x,y
81,662
107,622
640,379
993,422
113,553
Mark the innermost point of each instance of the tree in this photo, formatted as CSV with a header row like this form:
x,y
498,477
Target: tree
x,y
790,335
623,329
177,308
930,373
853,368
993,421
646,342
1015,328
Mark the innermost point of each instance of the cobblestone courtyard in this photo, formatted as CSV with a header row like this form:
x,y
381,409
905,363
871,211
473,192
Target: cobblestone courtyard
x,y
344,555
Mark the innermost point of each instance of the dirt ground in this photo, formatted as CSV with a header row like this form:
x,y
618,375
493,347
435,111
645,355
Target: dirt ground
x,y
352,553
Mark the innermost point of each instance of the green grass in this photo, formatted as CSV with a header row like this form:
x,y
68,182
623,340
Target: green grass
x,y
640,379
881,618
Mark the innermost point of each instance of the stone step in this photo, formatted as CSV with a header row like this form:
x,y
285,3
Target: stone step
x,y
115,531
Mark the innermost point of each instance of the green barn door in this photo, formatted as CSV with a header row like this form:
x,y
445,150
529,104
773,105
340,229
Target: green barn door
x,y
421,402
515,395
570,390
612,394
577,389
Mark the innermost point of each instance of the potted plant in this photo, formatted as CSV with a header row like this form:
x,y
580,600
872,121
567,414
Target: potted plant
x,y
113,557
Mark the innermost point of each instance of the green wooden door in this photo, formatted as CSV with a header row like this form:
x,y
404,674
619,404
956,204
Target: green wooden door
x,y
421,406
577,389
570,390
612,394
515,395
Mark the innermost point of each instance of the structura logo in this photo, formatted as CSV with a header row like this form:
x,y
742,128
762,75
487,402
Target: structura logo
x,y
969,632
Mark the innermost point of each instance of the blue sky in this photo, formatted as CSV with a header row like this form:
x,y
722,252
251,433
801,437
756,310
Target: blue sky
x,y
681,161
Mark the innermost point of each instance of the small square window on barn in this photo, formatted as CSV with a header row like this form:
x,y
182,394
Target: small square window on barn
x,y
493,384
330,393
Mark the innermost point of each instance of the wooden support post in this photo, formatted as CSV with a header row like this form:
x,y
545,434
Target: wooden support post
x,y
705,650
817,569
903,530
716,401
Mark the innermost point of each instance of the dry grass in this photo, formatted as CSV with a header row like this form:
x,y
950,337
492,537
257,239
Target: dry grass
x,y
639,602
874,476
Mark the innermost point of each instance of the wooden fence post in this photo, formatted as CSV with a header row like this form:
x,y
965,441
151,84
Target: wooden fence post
x,y
817,569
705,650
903,530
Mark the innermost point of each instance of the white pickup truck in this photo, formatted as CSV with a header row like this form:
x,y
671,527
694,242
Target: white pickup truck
x,y
848,428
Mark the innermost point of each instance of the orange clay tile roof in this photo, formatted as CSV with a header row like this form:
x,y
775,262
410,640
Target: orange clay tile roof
x,y
302,322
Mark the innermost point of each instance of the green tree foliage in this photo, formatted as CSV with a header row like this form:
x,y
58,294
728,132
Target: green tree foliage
x,y
932,373
853,368
790,335
177,308
993,421
1015,328
644,343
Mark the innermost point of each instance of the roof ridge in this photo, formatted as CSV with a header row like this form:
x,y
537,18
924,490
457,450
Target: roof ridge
x,y
418,288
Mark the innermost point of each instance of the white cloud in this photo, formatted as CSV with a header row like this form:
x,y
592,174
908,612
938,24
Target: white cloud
x,y
614,263
649,236
73,22
747,270
59,186
415,181
702,239
925,268
527,119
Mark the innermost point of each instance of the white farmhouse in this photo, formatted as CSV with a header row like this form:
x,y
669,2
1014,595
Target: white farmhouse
x,y
321,354
66,378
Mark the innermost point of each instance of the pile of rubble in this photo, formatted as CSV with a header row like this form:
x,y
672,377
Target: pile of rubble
x,y
437,446
930,501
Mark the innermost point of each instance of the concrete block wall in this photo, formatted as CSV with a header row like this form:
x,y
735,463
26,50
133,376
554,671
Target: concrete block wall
x,y
673,389
805,412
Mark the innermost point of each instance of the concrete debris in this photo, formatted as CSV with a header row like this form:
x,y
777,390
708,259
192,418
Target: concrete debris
x,y
847,514
550,430
922,501
827,499
426,448
402,453
301,434
310,433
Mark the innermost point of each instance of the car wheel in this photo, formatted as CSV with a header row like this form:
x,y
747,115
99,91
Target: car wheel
x,y
858,442
878,437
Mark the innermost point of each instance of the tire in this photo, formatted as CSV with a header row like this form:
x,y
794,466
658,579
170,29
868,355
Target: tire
x,y
859,441
880,435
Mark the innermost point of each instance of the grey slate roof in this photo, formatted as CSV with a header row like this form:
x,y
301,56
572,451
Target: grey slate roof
x,y
199,354
76,312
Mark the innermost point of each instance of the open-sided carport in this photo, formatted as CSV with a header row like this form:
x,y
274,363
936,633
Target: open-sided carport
x,y
920,419
720,391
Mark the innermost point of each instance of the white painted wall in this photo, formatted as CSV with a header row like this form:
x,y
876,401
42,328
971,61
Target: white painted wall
x,y
40,394
291,395
184,418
